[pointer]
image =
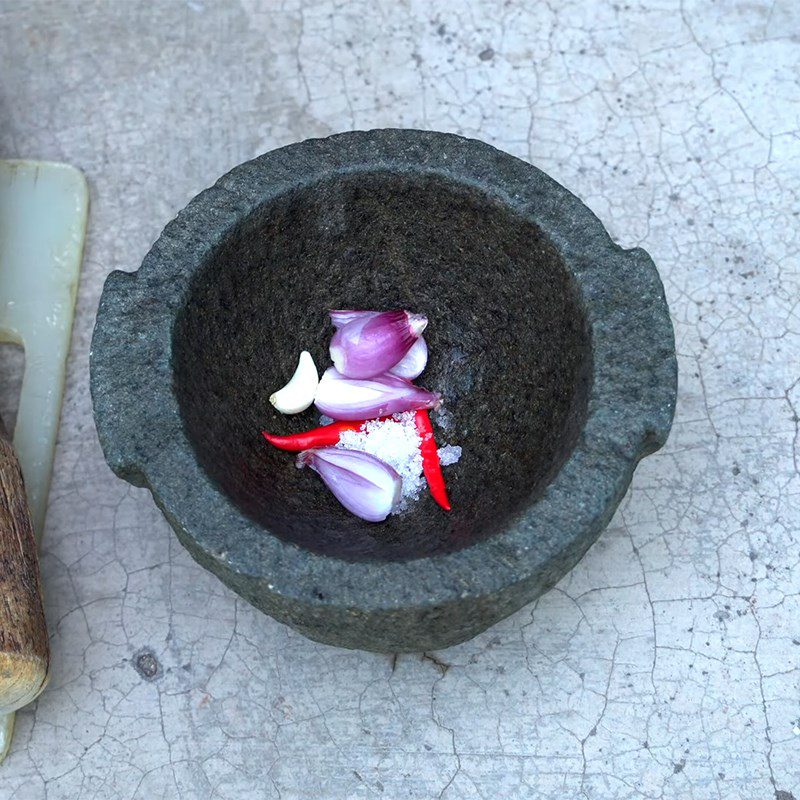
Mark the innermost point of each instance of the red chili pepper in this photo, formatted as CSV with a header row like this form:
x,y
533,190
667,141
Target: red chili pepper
x,y
430,460
326,436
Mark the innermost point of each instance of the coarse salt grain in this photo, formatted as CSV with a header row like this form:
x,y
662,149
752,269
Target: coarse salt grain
x,y
449,454
442,417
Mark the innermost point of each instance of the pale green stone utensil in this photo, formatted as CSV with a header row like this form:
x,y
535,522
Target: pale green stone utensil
x,y
43,213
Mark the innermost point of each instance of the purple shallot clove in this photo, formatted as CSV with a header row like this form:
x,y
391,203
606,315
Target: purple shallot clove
x,y
342,317
372,343
345,398
413,362
362,483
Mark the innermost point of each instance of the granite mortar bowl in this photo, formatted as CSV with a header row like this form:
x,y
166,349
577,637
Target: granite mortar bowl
x,y
551,345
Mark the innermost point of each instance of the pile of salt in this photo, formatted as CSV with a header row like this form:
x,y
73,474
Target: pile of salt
x,y
396,442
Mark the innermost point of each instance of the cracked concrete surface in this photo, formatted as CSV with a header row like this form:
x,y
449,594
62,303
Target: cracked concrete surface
x,y
667,664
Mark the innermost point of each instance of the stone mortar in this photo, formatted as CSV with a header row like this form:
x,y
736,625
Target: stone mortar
x,y
552,346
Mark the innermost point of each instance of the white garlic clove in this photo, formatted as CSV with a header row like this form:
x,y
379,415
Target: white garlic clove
x,y
299,393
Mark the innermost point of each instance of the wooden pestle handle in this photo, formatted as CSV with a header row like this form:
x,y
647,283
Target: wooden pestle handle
x,y
24,645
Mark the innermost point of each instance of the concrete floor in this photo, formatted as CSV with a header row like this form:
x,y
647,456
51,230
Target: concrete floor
x,y
667,664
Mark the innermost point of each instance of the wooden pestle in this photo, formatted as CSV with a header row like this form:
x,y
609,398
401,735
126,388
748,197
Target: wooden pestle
x,y
24,645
